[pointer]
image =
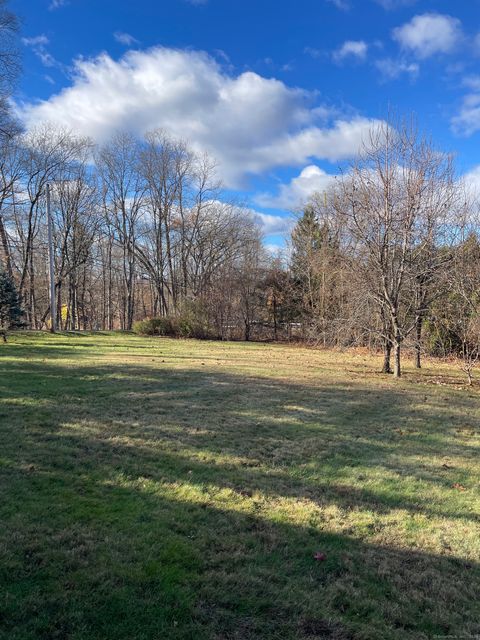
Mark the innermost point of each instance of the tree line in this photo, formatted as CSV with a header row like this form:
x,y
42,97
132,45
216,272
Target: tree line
x,y
142,230
139,229
386,257
389,255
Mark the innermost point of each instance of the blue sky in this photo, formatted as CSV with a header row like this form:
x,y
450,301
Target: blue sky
x,y
280,93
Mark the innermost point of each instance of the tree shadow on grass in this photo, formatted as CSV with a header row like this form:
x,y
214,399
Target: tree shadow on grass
x,y
318,431
109,562
141,503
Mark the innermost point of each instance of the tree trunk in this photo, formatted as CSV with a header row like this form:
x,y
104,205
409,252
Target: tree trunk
x,y
397,371
470,377
274,318
387,352
418,341
6,248
58,305
387,342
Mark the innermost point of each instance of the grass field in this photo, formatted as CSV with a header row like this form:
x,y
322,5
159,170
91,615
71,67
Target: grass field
x,y
167,490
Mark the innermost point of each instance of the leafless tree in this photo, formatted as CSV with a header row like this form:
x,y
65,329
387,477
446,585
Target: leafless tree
x,y
49,154
77,223
124,196
9,68
396,201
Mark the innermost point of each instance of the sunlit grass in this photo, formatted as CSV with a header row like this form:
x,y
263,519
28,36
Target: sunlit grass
x,y
154,488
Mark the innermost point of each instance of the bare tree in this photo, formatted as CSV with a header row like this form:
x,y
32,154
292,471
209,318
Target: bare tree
x,y
123,192
463,280
9,69
396,202
10,182
77,221
49,154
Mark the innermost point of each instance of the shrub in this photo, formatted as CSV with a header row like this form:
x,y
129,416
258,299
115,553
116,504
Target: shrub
x,y
189,323
155,327
193,322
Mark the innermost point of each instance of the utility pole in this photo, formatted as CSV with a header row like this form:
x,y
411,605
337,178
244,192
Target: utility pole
x,y
51,260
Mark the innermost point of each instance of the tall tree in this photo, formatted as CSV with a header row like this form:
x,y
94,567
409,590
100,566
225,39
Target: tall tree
x,y
9,69
316,268
124,193
396,201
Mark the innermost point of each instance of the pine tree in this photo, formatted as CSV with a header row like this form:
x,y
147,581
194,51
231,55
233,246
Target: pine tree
x,y
10,308
313,256
306,240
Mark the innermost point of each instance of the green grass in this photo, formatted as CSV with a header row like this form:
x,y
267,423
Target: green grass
x,y
154,489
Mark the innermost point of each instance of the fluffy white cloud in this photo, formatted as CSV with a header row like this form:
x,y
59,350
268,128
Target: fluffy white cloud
x,y
249,123
428,34
351,49
293,195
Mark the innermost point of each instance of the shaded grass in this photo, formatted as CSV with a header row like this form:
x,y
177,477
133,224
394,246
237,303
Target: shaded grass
x,y
158,489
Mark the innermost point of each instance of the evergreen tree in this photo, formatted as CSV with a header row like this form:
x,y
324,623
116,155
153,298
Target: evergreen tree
x,y
306,240
315,254
10,308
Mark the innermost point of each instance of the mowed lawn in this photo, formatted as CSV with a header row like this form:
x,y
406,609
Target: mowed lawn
x,y
167,489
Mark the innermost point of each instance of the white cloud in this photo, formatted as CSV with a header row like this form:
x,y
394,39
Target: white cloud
x,y
294,195
276,251
391,69
36,41
472,180
273,225
249,123
472,82
467,121
124,38
38,44
46,58
428,34
351,49
313,53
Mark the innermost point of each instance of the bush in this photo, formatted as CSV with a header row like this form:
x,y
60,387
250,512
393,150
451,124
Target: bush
x,y
191,322
155,327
